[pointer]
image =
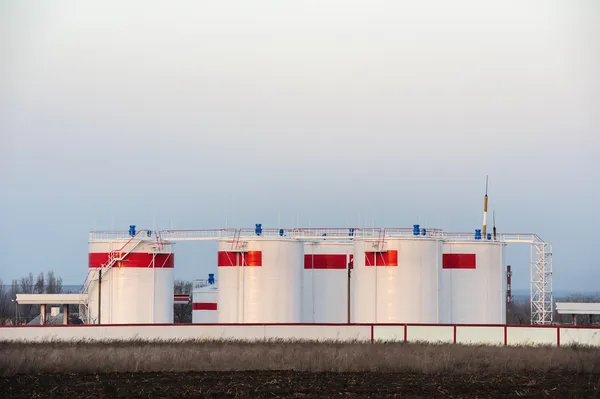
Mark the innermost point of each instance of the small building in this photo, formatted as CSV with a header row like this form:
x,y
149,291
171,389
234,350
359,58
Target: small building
x,y
575,309
44,300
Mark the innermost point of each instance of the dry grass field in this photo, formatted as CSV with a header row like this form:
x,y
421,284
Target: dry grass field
x,y
295,369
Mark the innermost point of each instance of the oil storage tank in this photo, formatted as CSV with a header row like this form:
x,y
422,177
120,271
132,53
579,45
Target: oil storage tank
x,y
260,280
325,286
136,289
205,301
396,280
473,283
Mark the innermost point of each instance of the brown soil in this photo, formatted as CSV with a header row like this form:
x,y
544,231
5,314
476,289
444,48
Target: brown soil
x,y
301,385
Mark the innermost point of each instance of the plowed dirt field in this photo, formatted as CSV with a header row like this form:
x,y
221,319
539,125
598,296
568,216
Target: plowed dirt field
x,y
293,384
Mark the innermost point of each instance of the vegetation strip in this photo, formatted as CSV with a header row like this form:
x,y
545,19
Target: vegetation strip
x,y
184,356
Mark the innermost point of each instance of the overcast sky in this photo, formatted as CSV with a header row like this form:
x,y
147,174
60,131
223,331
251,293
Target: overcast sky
x,y
333,113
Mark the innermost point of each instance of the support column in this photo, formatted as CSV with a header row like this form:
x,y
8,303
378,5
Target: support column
x,y
42,314
65,314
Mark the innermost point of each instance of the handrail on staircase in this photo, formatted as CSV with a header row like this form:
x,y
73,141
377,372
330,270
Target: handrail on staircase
x,y
113,256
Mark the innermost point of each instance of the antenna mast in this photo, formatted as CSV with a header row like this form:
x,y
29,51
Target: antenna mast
x,y
494,229
485,203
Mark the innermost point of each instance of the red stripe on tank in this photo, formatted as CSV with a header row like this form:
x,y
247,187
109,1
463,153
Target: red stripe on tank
x,y
134,259
325,261
183,298
204,306
235,258
459,261
385,258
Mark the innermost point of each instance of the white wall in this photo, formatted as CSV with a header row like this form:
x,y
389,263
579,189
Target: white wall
x,y
478,335
582,336
319,332
465,334
531,336
186,332
436,334
488,334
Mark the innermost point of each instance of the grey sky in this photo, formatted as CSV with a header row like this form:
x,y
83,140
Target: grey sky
x,y
188,114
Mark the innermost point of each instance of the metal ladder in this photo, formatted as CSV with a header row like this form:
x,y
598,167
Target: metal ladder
x,y
381,240
159,241
236,240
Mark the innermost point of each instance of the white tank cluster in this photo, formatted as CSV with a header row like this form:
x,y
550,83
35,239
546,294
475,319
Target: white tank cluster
x,y
411,279
138,289
406,278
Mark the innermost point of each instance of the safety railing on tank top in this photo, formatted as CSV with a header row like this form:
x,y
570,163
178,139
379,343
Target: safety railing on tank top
x,y
201,283
505,237
195,234
200,234
312,232
341,233
109,235
407,232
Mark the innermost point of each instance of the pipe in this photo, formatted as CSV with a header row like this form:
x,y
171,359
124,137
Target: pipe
x,y
508,290
243,267
348,262
376,319
240,295
438,258
153,302
99,293
312,283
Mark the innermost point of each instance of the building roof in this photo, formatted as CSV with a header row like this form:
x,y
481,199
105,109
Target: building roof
x,y
51,299
578,307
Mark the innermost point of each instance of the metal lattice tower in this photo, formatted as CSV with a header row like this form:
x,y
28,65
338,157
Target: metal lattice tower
x,y
541,283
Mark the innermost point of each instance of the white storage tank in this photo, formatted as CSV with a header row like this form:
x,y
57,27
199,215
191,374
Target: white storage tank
x,y
396,281
138,289
473,283
325,282
204,302
260,280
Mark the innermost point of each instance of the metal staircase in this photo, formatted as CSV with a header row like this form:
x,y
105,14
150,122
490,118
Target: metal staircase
x,y
114,256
